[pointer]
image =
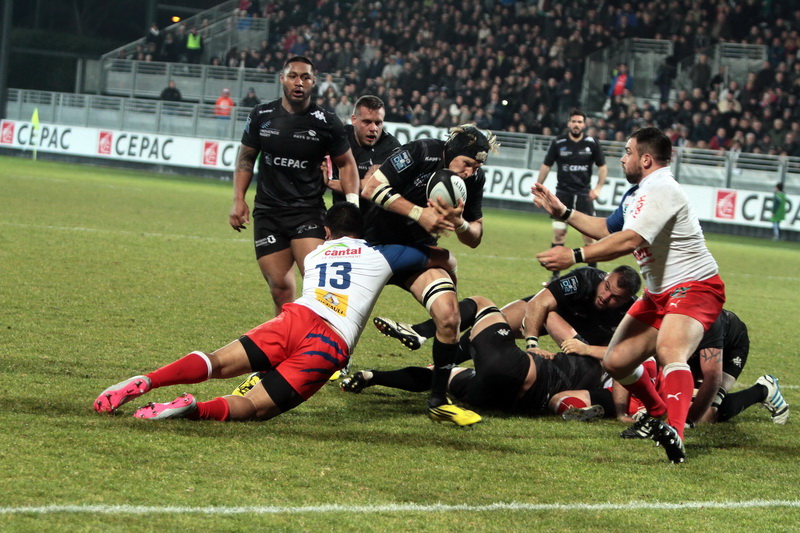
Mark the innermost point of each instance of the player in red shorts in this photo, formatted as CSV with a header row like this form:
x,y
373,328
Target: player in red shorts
x,y
298,350
684,293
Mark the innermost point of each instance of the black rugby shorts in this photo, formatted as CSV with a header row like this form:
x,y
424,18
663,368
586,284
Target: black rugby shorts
x,y
274,229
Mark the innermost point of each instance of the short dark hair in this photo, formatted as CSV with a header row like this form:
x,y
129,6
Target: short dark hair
x,y
344,219
629,279
653,141
575,111
779,186
299,59
373,103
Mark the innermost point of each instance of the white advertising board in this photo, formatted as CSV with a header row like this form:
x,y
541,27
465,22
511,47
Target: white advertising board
x,y
739,207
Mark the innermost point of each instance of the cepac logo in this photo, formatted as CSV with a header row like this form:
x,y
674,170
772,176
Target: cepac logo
x,y
210,153
7,133
725,206
104,142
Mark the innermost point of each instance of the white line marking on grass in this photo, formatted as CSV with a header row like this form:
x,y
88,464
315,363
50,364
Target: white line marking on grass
x,y
398,508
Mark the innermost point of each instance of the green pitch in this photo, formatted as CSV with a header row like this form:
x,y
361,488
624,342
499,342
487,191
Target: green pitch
x,y
106,273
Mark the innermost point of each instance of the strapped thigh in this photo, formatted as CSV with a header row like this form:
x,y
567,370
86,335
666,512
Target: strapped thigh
x,y
486,312
435,289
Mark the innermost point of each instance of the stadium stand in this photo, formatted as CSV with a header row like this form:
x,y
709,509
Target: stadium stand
x,y
450,69
434,65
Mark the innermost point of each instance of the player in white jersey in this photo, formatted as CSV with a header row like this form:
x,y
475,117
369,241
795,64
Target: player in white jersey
x,y
297,351
684,293
674,256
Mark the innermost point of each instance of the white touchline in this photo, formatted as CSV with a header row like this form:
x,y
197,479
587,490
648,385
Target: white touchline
x,y
397,508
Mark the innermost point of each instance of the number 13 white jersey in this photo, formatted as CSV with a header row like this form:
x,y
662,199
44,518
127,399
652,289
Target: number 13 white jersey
x,y
345,276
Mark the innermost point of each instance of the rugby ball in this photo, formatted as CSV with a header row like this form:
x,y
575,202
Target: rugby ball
x,y
448,186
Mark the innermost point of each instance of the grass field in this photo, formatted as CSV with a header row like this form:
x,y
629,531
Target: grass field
x,y
108,273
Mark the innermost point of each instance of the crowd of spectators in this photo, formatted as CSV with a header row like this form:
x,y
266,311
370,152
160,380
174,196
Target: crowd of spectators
x,y
517,65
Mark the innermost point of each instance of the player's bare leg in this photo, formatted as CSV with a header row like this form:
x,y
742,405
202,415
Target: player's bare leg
x,y
435,290
632,344
278,270
677,340
301,248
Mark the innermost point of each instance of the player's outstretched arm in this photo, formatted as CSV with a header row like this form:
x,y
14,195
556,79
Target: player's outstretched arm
x,y
594,227
610,247
578,347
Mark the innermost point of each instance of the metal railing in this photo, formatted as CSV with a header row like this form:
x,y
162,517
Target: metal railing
x,y
643,57
724,169
222,28
197,83
202,21
738,60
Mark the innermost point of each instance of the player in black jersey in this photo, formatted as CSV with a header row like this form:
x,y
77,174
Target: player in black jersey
x,y
292,136
504,377
580,311
716,365
403,215
575,153
370,143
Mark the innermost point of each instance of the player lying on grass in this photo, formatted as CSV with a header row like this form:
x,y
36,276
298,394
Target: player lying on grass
x,y
716,365
579,310
505,377
300,348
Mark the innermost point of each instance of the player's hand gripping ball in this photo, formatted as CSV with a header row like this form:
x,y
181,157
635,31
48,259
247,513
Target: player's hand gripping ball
x,y
448,186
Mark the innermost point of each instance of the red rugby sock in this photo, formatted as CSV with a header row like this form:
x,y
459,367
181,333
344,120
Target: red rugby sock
x,y
216,409
644,389
569,401
677,386
192,368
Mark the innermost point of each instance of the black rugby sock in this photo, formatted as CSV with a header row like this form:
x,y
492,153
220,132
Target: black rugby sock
x,y
444,357
463,353
735,403
411,378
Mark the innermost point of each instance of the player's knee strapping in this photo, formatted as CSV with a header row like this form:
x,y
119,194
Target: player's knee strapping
x,y
486,312
435,289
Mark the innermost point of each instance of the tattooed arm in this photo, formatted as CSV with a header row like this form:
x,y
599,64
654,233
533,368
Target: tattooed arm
x,y
242,176
711,366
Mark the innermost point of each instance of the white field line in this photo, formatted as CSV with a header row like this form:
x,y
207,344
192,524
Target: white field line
x,y
397,508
